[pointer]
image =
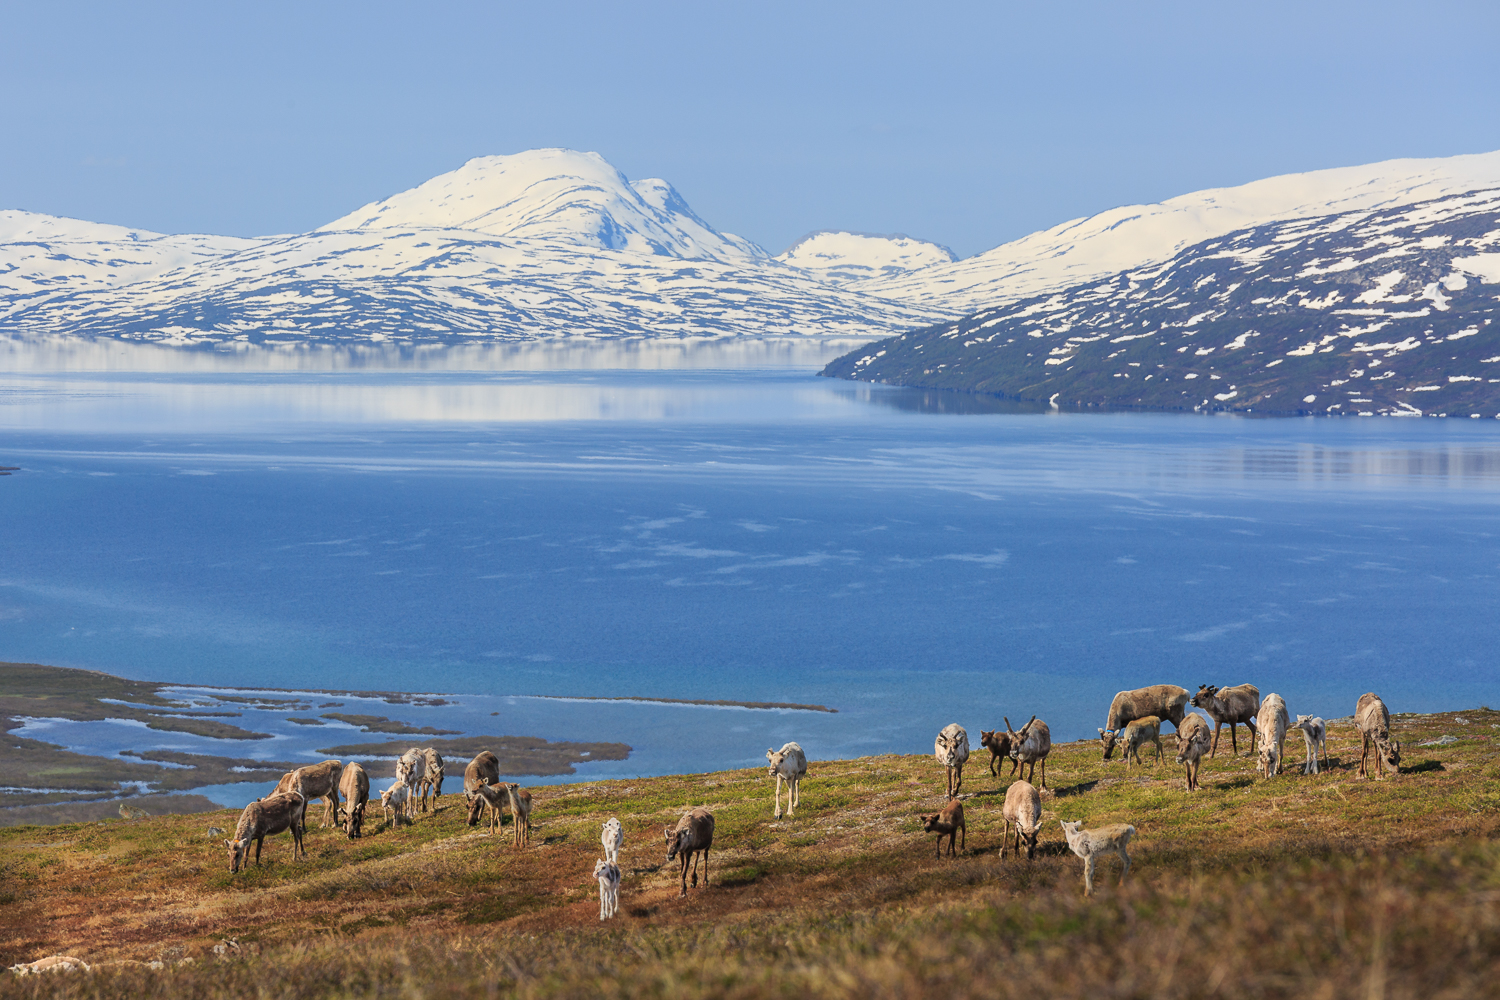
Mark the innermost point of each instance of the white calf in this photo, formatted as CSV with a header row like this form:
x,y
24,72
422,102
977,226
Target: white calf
x,y
613,838
1090,844
1315,735
608,875
790,763
395,801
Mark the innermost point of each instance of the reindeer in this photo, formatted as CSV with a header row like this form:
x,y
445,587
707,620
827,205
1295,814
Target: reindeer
x,y
1023,807
1270,734
432,778
1033,743
354,786
320,781
998,745
1138,734
608,874
948,823
1165,701
484,769
411,770
694,833
520,812
492,800
1192,743
613,838
790,763
951,748
394,802
264,818
1374,722
1229,706
1090,844
1315,736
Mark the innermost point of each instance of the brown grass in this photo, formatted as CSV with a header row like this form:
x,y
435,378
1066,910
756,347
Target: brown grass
x,y
1321,886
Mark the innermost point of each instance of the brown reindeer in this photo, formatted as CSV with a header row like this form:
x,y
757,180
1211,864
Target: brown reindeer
x,y
693,834
354,786
484,769
1165,701
1033,743
519,800
948,823
1374,722
1230,707
998,745
319,781
490,800
264,818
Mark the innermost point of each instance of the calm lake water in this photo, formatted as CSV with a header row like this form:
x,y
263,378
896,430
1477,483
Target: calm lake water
x,y
747,533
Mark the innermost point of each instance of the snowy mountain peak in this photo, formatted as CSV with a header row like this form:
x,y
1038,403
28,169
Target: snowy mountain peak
x,y
557,196
840,257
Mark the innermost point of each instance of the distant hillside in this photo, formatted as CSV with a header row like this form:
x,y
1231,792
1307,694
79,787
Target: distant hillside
x,y
1370,312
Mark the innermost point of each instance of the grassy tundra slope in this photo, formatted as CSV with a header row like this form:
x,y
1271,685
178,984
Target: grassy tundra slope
x,y
1321,886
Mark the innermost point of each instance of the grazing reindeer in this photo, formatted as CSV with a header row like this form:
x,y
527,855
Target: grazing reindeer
x,y
520,812
1192,743
1374,722
394,802
948,823
613,838
319,781
1270,733
491,800
951,748
1315,735
1033,743
998,744
1229,706
411,770
790,763
1138,734
484,769
608,874
1090,844
354,786
1165,701
432,778
693,834
1023,807
264,818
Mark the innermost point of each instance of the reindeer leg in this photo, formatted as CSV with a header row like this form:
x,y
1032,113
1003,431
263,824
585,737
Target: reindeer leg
x,y
1044,784
1218,727
1088,875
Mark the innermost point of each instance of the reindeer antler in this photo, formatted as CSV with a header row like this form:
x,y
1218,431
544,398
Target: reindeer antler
x,y
1025,728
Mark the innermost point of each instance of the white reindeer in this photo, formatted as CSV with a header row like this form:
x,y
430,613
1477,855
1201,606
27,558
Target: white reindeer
x,y
608,874
1090,844
790,763
1270,734
1315,735
951,748
613,838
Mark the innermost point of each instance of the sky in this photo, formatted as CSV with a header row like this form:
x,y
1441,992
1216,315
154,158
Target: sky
x,y
967,124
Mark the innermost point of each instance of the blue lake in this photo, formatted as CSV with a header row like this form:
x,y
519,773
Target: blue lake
x,y
755,533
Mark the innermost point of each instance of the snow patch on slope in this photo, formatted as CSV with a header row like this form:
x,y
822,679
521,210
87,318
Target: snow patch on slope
x,y
842,257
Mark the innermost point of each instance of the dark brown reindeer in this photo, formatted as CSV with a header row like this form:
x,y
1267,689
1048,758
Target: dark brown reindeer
x,y
1033,743
264,818
1229,706
694,833
998,745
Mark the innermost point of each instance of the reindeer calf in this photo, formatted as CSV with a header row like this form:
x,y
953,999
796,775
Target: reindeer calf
x,y
1315,735
613,838
948,823
1137,734
608,874
1090,844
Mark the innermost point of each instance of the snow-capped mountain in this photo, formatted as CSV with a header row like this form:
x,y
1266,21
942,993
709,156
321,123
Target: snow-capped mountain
x,y
1133,236
843,257
1375,311
540,244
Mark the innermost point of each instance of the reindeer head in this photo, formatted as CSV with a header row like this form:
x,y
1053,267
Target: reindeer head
x,y
775,757
1029,837
1390,752
1108,737
1071,830
476,807
929,823
239,853
1205,696
674,839
1017,739
1184,744
601,869
950,750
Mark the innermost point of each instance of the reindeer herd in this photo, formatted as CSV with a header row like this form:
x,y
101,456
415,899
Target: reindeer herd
x,y
1132,724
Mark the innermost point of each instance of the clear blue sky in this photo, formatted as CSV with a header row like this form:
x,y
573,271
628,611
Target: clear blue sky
x,y
969,124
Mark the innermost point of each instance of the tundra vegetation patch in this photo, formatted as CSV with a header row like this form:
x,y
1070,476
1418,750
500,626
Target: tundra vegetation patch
x,y
1300,885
